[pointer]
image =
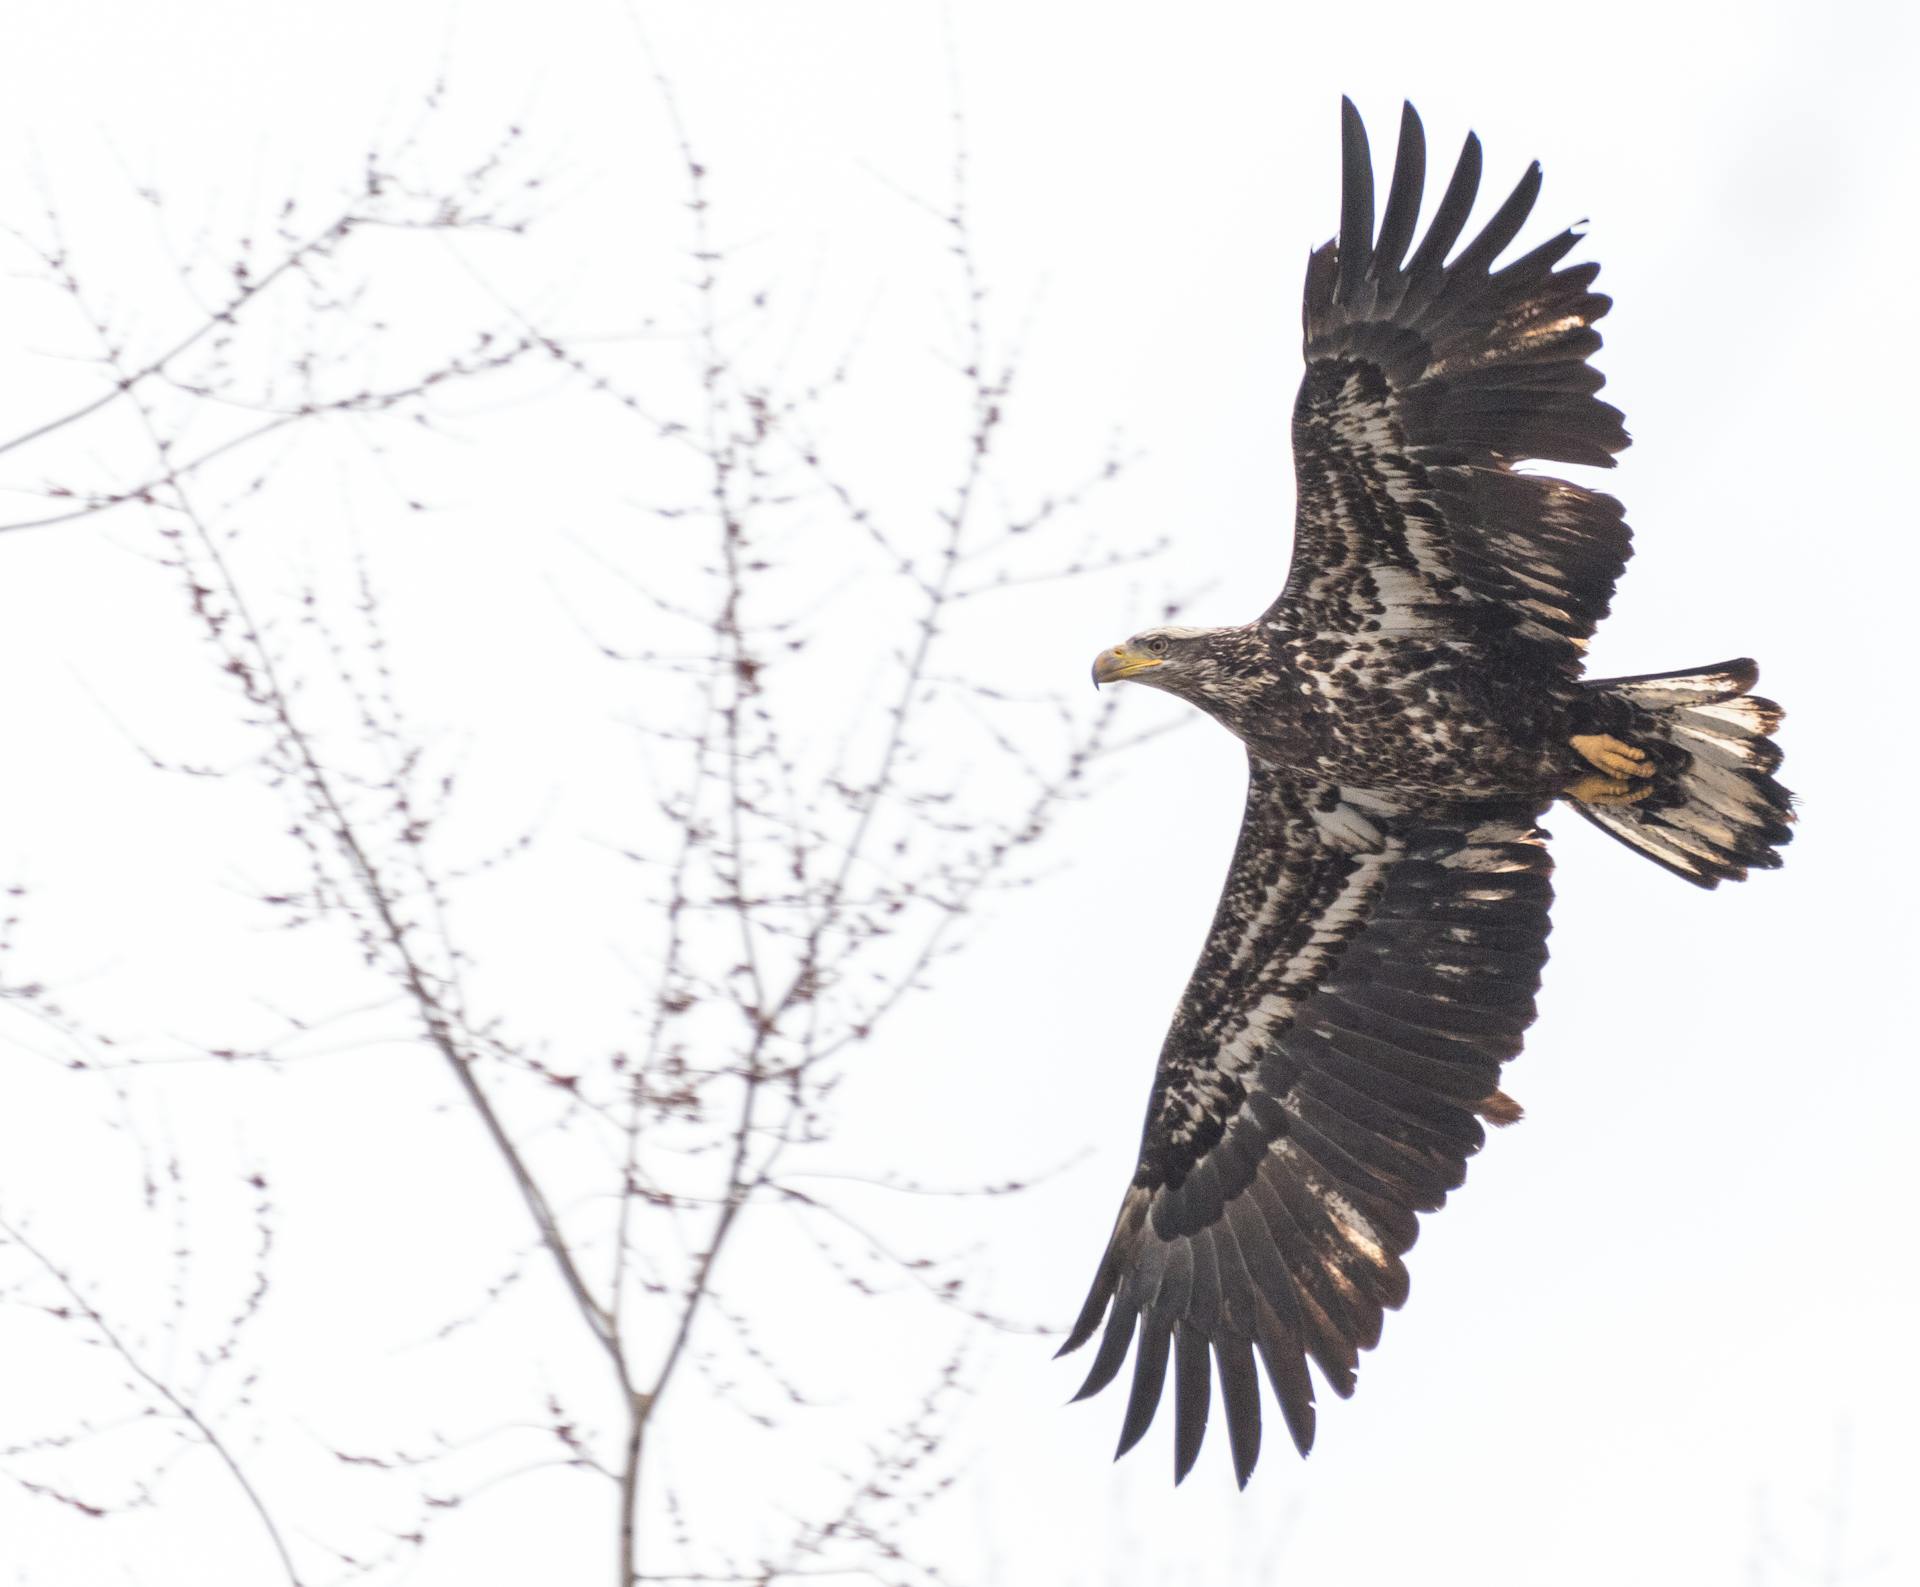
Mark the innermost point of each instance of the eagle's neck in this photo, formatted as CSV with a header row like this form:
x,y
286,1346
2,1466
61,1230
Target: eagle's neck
x,y
1237,678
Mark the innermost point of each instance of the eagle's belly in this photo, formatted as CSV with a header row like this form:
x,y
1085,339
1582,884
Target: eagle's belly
x,y
1420,718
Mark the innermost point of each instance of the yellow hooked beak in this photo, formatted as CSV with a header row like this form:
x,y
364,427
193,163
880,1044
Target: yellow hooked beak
x,y
1112,665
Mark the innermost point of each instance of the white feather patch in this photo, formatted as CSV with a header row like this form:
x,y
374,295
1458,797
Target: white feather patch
x,y
1346,829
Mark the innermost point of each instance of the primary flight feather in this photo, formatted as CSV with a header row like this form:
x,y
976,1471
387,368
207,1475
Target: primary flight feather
x,y
1410,705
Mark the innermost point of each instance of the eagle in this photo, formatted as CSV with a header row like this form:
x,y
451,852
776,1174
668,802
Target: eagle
x,y
1410,706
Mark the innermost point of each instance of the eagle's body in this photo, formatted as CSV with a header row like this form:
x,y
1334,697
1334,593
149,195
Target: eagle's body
x,y
1402,712
1410,705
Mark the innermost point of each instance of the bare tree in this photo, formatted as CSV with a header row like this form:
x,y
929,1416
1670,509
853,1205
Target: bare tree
x,y
808,828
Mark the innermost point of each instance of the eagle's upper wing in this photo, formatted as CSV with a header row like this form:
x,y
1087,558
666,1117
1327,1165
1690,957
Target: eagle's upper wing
x,y
1426,381
1366,973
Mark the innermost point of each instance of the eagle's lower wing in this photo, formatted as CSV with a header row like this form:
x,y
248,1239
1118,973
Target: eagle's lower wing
x,y
1366,974
1426,381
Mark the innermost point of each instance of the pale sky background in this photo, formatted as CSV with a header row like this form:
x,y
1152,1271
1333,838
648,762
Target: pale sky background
x,y
1663,1334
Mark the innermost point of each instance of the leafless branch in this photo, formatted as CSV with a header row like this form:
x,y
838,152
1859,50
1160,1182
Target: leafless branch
x,y
804,878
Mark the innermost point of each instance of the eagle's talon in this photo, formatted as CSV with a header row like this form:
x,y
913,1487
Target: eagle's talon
x,y
1597,789
1611,755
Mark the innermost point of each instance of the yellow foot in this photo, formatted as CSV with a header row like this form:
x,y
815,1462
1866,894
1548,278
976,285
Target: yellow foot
x,y
1595,789
1610,755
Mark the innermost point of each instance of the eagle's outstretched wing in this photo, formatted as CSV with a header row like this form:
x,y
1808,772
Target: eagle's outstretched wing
x,y
1426,381
1366,973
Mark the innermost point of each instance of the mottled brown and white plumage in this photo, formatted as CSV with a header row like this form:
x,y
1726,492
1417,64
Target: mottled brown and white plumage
x,y
1410,705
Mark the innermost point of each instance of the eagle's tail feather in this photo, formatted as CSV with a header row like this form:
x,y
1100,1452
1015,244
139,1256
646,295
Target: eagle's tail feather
x,y
1715,810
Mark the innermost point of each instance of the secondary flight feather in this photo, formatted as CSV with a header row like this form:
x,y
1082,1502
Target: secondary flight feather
x,y
1410,705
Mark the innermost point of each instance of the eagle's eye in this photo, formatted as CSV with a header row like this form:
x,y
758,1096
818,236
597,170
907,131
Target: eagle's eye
x,y
1157,645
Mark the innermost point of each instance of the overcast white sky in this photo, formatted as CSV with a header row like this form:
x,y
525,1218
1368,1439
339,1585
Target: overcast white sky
x,y
1666,1318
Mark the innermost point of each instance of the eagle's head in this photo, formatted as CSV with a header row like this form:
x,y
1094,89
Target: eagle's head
x,y
1215,668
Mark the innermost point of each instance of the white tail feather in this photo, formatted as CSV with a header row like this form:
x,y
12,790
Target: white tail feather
x,y
1715,810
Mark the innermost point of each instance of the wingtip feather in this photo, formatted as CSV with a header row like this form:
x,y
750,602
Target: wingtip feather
x,y
1403,196
1356,202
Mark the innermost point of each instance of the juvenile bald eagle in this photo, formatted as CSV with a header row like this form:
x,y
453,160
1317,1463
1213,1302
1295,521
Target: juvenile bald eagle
x,y
1410,705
